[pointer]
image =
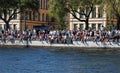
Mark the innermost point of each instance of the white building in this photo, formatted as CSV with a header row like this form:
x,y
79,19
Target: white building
x,y
97,20
14,24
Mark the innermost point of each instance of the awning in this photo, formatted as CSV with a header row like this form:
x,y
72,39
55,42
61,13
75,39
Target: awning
x,y
43,27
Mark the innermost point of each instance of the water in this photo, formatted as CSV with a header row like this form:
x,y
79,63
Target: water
x,y
32,60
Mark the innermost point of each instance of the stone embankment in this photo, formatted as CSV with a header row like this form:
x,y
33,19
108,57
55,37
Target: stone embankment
x,y
75,44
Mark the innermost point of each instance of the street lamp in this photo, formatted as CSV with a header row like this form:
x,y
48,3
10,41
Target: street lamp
x,y
25,27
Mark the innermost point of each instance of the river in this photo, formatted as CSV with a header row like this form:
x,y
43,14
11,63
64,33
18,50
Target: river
x,y
39,60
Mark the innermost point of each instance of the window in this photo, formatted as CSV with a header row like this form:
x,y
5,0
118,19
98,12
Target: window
x,y
10,12
43,17
46,4
47,18
26,14
81,27
87,11
14,27
81,11
30,16
10,26
94,12
4,26
99,26
94,26
41,4
15,16
75,26
100,12
76,14
38,16
0,26
33,16
81,16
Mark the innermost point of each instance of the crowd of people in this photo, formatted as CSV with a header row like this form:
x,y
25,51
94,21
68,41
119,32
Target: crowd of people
x,y
60,36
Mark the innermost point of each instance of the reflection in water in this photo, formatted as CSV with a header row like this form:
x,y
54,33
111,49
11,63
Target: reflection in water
x,y
58,61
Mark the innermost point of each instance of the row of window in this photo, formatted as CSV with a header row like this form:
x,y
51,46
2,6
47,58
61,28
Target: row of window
x,y
10,12
96,13
33,16
12,26
43,4
93,26
37,16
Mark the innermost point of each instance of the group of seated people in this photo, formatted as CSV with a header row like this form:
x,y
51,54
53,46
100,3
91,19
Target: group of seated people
x,y
61,36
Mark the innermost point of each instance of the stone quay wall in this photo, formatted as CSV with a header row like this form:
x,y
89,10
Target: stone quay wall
x,y
75,44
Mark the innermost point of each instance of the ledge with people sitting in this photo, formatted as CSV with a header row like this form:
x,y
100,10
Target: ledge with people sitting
x,y
64,38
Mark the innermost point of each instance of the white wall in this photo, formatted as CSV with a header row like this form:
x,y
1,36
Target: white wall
x,y
89,44
12,23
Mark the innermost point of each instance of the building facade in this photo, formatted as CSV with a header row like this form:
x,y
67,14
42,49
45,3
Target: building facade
x,y
14,24
30,19
97,20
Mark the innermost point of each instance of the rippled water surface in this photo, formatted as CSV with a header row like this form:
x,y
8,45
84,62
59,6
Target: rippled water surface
x,y
38,60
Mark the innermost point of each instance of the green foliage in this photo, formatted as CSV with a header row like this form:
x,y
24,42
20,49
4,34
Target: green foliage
x,y
110,27
17,6
113,8
22,4
59,8
60,26
32,4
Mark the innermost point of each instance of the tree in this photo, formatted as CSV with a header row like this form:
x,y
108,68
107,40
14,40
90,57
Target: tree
x,y
17,6
75,7
58,11
113,8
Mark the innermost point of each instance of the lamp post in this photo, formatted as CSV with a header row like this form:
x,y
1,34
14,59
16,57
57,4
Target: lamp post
x,y
25,27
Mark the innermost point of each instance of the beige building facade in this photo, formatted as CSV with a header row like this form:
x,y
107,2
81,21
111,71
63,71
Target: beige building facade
x,y
97,20
31,19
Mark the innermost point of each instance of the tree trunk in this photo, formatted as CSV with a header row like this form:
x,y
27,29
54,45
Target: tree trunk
x,y
118,22
86,24
7,26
